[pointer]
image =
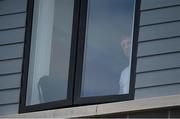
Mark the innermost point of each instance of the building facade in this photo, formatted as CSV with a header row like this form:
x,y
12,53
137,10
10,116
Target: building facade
x,y
157,81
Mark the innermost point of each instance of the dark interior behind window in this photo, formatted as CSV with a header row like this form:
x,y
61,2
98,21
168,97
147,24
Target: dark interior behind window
x,y
79,52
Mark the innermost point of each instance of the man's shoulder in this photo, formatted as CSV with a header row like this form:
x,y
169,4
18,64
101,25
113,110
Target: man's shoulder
x,y
126,70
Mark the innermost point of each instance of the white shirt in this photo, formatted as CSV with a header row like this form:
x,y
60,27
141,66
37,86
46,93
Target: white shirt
x,y
124,81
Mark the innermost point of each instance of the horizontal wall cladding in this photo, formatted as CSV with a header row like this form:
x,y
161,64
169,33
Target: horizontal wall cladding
x,y
158,66
10,66
157,91
9,96
11,51
12,33
152,4
12,21
160,31
160,16
9,109
158,78
158,62
12,6
12,36
155,47
10,81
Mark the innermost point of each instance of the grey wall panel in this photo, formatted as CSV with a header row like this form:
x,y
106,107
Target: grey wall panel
x,y
12,32
10,81
150,4
8,109
12,21
158,78
11,51
12,6
159,31
158,91
149,84
12,36
10,66
160,15
9,96
158,66
158,46
158,62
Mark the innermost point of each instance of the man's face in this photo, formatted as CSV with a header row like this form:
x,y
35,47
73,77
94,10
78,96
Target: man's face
x,y
125,44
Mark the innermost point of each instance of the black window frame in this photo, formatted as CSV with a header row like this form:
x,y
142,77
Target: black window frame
x,y
78,100
76,62
25,66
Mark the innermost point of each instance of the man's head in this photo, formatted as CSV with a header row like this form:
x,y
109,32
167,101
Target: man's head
x,y
126,44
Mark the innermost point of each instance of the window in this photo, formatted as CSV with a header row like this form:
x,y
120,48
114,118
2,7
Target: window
x,y
79,52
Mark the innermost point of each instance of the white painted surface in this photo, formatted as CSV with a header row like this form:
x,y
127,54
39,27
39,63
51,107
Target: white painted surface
x,y
109,108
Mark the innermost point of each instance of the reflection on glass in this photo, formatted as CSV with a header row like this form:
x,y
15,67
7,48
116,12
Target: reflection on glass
x,y
50,51
107,55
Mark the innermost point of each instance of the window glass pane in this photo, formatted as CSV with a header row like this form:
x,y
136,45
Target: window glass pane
x,y
107,55
50,51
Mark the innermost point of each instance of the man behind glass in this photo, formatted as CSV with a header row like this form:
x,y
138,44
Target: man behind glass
x,y
125,74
